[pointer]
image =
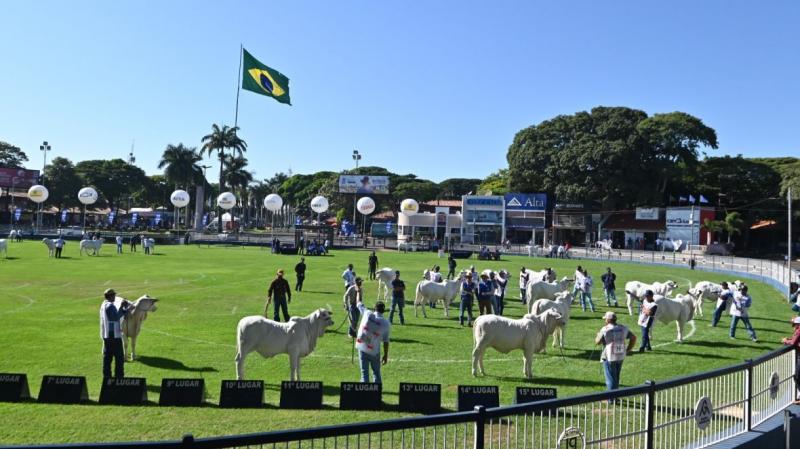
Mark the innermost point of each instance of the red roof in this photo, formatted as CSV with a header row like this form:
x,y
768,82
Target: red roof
x,y
626,221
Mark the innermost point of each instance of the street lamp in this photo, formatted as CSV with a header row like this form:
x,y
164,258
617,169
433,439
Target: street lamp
x,y
44,147
356,157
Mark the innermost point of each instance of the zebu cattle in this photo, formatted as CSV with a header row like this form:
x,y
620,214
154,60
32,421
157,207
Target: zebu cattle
x,y
634,290
704,290
603,246
385,276
562,305
93,245
547,275
680,310
131,323
297,338
672,245
14,235
51,246
428,292
4,247
505,335
545,290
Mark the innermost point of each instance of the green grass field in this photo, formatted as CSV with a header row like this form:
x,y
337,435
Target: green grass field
x,y
49,325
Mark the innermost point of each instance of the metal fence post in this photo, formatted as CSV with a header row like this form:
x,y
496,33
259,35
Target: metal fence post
x,y
650,408
480,422
748,391
187,440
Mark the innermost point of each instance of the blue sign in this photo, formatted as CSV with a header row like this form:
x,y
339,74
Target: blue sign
x,y
205,219
388,227
488,201
158,218
64,216
134,217
526,201
17,214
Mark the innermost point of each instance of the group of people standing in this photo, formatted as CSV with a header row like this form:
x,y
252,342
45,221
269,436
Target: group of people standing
x,y
489,289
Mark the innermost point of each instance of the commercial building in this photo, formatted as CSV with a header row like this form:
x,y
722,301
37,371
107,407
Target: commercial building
x,y
440,225
526,217
626,229
484,219
686,223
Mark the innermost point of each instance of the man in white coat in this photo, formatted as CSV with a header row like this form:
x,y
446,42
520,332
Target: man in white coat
x,y
111,333
612,336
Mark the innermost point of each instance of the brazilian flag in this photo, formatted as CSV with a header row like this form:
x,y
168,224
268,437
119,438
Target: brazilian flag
x,y
258,78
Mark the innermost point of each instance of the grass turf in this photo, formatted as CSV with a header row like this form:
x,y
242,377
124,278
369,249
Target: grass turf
x,y
49,325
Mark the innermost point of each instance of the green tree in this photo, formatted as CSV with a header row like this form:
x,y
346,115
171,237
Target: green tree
x,y
237,176
11,156
114,179
181,165
495,184
455,188
713,227
732,224
63,182
217,142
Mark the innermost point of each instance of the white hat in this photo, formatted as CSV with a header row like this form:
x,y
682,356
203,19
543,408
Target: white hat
x,y
610,316
796,320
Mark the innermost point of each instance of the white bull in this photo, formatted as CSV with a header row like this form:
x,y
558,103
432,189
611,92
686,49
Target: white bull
x,y
505,335
680,310
428,292
131,324
562,305
51,246
4,247
385,276
672,245
704,290
545,290
297,338
93,245
547,275
635,290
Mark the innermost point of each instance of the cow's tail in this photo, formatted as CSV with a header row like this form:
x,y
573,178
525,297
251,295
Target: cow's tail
x,y
690,305
239,339
477,332
632,295
418,294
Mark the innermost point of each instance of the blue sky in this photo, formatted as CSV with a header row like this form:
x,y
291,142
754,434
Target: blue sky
x,y
433,88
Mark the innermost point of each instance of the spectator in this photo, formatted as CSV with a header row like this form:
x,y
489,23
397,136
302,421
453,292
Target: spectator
x,y
609,287
612,336
373,266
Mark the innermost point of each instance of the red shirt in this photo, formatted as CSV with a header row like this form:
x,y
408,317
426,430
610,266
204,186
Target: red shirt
x,y
795,340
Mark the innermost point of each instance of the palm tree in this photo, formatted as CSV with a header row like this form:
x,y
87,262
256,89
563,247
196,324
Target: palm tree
x,y
217,142
733,224
181,168
712,226
238,178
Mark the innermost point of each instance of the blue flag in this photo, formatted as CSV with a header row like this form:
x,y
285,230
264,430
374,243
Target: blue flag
x,y
691,199
64,216
134,217
388,227
205,219
297,221
703,200
17,214
158,218
111,216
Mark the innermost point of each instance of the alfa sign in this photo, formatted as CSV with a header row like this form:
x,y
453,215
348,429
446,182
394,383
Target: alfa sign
x,y
526,201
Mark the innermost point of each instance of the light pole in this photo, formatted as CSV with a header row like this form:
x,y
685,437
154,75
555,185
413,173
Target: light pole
x,y
356,157
11,194
44,147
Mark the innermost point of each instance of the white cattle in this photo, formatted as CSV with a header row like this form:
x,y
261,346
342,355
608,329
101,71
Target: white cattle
x,y
562,305
505,335
547,275
14,235
51,246
680,310
704,290
672,245
4,247
131,324
385,276
603,246
545,290
93,245
297,338
636,290
428,292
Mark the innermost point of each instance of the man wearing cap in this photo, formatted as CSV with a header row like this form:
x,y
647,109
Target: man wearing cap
x,y
451,267
485,295
373,332
373,266
111,333
741,303
609,287
795,339
467,296
646,319
280,291
612,336
300,273
398,298
352,297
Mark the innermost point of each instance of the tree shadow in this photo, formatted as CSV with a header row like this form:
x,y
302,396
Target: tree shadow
x,y
171,364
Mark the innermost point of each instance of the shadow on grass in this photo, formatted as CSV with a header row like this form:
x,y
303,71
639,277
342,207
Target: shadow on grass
x,y
10,258
557,381
409,340
171,364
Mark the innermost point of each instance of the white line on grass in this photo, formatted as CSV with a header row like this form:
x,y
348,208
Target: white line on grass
x,y
27,284
196,340
685,337
30,300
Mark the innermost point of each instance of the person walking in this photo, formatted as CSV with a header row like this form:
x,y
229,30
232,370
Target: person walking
x,y
398,298
485,295
468,289
451,267
500,283
300,274
59,245
586,291
524,277
373,331
609,287
723,300
646,319
373,266
119,244
349,276
352,297
612,337
741,303
576,288
111,333
281,293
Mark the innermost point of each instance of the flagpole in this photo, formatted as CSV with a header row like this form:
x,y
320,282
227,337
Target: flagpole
x,y
238,85
789,253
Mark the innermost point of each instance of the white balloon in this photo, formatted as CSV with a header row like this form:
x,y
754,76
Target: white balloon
x,y
87,195
179,198
366,205
409,207
226,200
273,202
38,193
319,204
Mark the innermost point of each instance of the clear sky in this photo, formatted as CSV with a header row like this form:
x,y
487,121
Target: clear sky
x,y
433,88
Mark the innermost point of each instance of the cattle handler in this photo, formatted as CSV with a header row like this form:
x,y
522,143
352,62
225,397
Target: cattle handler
x,y
111,333
280,290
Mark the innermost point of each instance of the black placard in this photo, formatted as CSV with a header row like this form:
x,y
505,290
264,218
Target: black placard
x,y
241,393
471,395
533,394
123,391
63,390
14,387
360,396
303,394
420,398
182,392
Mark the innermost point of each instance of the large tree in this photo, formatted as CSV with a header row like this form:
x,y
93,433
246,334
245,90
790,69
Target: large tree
x,y
115,179
63,182
11,156
455,188
181,165
495,184
217,142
